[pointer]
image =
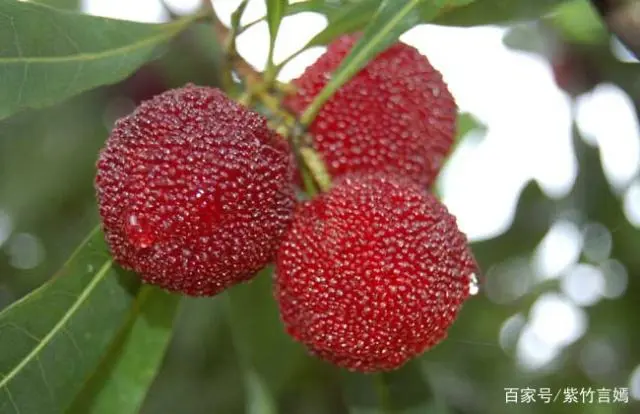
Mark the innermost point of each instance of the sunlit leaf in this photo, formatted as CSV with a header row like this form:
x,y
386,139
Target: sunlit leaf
x,y
121,382
48,55
347,19
52,340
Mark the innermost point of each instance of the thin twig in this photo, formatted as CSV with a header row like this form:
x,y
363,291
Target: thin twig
x,y
225,37
289,126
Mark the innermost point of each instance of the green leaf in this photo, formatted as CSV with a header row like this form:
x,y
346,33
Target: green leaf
x,y
268,356
531,38
52,340
465,123
363,393
60,4
408,391
579,22
403,391
392,19
121,382
480,12
275,12
318,6
259,400
453,12
236,16
48,55
350,18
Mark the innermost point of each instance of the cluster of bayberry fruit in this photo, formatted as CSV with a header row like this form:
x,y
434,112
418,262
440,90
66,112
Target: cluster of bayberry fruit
x,y
197,194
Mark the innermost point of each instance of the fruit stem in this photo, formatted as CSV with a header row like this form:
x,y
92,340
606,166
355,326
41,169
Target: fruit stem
x,y
250,25
261,87
227,37
245,99
316,166
307,180
295,54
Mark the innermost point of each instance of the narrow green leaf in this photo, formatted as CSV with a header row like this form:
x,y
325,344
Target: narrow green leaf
x,y
318,6
349,18
454,12
236,16
403,391
48,55
52,340
126,373
580,23
392,19
481,12
276,10
465,123
528,38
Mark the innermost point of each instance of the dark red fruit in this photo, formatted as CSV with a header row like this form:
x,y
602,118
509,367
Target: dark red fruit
x,y
194,191
395,116
372,273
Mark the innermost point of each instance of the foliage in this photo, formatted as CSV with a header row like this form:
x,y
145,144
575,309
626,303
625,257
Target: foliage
x,y
91,340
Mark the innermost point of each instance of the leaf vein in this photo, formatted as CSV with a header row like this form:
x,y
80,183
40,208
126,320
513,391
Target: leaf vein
x,y
44,380
12,401
23,82
21,329
122,50
73,342
58,326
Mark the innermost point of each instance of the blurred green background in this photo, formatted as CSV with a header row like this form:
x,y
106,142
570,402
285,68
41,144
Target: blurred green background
x,y
525,328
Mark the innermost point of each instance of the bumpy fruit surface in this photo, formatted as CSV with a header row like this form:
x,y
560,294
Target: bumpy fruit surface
x,y
194,191
372,273
395,116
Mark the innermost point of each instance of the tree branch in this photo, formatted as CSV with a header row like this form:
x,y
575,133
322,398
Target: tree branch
x,y
225,37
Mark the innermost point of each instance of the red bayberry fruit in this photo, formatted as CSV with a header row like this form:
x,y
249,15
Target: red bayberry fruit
x,y
194,191
395,116
372,273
